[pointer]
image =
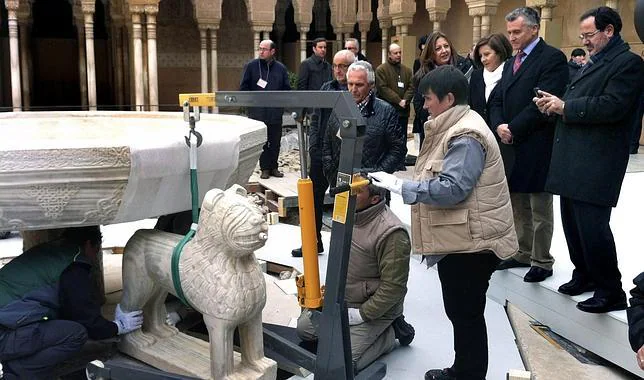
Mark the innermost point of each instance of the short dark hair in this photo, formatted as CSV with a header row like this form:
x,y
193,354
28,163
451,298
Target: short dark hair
x,y
443,80
604,16
497,42
318,40
375,190
578,52
79,235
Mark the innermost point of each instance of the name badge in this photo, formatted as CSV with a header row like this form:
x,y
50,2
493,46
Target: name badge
x,y
401,85
262,83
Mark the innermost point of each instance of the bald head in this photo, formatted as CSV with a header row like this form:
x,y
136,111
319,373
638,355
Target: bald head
x,y
395,53
266,50
341,62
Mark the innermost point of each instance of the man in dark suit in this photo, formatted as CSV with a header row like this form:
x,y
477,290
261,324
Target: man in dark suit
x,y
529,133
594,124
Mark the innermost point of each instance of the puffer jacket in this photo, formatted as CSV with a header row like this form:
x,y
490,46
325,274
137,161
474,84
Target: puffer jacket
x,y
384,146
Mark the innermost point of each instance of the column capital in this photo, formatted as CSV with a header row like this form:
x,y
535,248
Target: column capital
x,y
258,27
402,12
541,3
482,7
207,24
437,9
303,12
88,6
303,28
142,6
12,5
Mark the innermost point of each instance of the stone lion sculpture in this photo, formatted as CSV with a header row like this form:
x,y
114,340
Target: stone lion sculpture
x,y
220,278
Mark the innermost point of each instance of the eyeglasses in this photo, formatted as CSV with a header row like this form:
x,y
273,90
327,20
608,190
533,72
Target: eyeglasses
x,y
264,49
351,48
587,36
342,67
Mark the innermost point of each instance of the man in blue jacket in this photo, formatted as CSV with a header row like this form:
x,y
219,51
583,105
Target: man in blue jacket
x,y
47,311
267,74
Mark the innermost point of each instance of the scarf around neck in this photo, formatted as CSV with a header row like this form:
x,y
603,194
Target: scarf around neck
x,y
491,78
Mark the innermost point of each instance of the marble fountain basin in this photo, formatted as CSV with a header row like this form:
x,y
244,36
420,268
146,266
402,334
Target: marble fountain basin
x,y
61,169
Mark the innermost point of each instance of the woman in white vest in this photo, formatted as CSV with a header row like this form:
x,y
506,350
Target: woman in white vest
x,y
461,213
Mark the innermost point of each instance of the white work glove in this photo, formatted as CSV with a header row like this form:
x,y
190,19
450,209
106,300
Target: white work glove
x,y
386,181
127,322
354,316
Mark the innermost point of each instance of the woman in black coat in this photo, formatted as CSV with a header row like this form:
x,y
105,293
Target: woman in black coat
x,y
438,51
491,53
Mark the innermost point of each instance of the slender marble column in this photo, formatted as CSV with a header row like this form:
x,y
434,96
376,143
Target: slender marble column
x,y
14,52
363,41
24,64
91,64
385,43
203,32
404,30
485,26
213,58
138,61
153,82
256,41
302,46
82,64
476,28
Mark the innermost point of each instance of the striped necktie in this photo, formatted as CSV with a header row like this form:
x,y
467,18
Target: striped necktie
x,y
517,61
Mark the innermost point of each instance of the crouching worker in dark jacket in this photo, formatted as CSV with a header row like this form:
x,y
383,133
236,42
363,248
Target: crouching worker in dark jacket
x,y
376,282
46,308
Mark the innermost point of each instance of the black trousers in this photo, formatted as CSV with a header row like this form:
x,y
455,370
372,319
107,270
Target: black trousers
x,y
320,184
591,245
464,280
32,351
271,149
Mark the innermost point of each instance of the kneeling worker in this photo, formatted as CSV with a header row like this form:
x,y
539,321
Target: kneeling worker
x,y
46,308
379,263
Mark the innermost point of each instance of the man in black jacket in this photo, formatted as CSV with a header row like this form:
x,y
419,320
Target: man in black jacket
x,y
315,70
47,310
528,135
267,74
384,146
341,62
594,125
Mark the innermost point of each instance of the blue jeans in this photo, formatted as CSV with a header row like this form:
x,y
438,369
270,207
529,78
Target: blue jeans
x,y
32,351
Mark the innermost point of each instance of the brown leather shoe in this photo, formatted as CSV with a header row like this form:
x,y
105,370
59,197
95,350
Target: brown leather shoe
x,y
276,173
265,174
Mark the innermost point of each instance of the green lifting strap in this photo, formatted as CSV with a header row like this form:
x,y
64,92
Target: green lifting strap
x,y
176,255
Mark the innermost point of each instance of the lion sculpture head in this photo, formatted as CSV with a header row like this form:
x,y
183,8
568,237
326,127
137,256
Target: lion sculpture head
x,y
233,222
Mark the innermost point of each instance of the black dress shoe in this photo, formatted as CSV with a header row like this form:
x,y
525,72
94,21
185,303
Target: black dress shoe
x,y
265,174
277,173
603,304
576,287
511,263
297,252
440,374
537,274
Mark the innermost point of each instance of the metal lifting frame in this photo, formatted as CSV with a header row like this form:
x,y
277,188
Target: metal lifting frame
x,y
330,363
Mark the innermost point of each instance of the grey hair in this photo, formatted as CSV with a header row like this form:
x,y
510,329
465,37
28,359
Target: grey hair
x,y
355,40
347,55
530,16
366,67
